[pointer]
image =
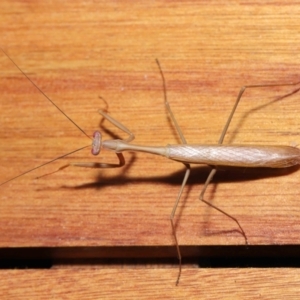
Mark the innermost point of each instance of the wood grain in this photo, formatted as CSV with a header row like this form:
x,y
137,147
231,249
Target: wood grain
x,y
78,51
133,283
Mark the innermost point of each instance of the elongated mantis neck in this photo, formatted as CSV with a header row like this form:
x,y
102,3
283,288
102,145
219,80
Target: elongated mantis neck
x,y
120,145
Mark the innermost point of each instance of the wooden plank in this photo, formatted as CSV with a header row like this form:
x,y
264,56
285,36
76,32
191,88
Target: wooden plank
x,y
149,283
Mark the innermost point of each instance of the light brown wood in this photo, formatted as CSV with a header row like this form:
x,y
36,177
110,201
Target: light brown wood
x,y
133,283
77,51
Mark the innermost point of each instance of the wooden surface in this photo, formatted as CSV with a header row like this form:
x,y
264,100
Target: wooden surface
x,y
131,283
78,51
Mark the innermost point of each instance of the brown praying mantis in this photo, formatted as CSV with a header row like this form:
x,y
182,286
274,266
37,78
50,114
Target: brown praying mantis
x,y
214,155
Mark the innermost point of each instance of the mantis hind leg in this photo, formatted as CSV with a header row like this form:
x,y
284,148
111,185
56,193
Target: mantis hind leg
x,y
221,139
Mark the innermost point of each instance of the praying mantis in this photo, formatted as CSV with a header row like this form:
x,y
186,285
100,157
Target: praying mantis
x,y
214,155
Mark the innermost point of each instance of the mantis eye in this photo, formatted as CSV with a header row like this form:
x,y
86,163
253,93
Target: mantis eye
x,y
97,143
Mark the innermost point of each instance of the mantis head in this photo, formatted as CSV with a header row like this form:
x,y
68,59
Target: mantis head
x,y
97,143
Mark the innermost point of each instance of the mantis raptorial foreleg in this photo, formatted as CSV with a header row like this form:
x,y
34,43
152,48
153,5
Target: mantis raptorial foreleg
x,y
96,146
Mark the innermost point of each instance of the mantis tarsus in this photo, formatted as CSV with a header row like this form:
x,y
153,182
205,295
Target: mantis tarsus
x,y
213,155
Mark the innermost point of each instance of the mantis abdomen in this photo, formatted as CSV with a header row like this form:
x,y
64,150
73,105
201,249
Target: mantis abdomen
x,y
236,155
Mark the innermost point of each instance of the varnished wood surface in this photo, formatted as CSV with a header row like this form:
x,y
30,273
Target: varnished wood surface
x,y
93,283
137,283
79,51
